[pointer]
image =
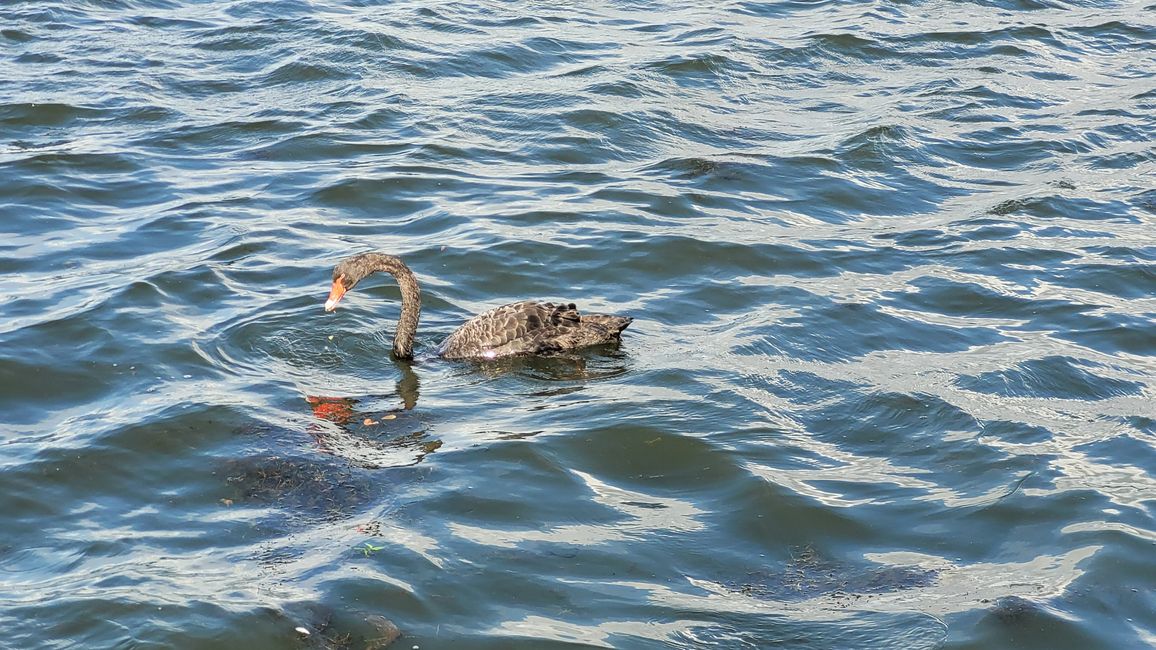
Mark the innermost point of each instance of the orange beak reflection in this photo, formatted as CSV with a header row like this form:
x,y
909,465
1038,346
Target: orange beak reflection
x,y
335,294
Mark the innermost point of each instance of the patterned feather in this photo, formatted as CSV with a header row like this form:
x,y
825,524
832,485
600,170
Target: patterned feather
x,y
531,328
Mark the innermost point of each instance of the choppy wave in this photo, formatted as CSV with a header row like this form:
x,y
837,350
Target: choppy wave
x,y
889,384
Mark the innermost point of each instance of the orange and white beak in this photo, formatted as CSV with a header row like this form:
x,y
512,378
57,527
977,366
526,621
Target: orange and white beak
x,y
335,294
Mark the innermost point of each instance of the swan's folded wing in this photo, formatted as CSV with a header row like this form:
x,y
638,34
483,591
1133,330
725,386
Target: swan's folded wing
x,y
517,328
531,328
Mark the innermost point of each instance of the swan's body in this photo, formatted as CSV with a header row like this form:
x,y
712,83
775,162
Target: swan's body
x,y
518,328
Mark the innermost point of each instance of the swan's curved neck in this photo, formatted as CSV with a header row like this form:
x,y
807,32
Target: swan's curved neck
x,y
410,301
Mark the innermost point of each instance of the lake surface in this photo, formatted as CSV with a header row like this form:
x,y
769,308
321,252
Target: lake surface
x,y
890,382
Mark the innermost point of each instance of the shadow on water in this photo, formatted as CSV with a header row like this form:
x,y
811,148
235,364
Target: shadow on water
x,y
809,575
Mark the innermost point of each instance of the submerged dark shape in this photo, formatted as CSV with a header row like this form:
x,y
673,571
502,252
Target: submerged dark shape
x,y
519,328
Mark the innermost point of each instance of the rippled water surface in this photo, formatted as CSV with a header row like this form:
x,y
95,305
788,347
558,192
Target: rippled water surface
x,y
890,382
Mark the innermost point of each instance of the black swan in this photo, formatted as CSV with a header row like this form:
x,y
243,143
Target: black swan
x,y
518,328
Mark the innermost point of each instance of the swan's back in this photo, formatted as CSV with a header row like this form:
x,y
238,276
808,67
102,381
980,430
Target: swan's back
x,y
531,328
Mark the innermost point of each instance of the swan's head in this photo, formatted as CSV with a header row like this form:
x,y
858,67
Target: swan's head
x,y
346,275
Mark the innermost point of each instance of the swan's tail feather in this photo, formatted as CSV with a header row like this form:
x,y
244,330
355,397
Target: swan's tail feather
x,y
613,324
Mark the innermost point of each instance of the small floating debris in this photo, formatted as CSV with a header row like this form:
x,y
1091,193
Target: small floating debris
x,y
369,549
369,422
302,631
391,416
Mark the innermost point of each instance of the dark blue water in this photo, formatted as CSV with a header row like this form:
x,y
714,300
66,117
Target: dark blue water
x,y
889,384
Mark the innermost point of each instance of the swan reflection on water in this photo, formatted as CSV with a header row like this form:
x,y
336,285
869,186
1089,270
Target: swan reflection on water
x,y
373,438
373,431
